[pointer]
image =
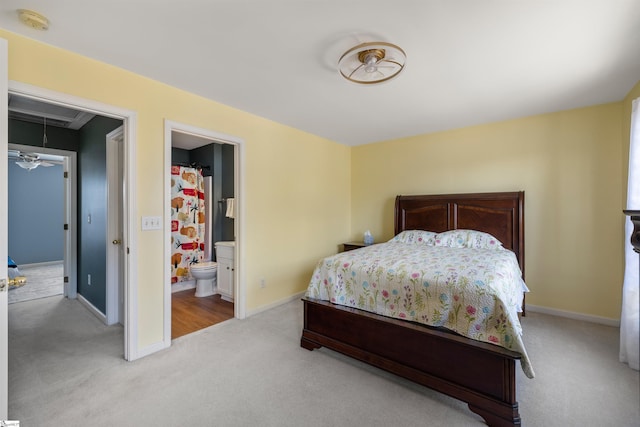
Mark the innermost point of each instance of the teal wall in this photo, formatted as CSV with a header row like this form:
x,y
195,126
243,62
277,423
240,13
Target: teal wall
x,y
26,133
228,189
92,202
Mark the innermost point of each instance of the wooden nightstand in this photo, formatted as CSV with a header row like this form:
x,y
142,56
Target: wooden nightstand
x,y
349,246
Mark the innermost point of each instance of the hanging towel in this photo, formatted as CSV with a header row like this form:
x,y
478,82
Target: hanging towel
x,y
230,208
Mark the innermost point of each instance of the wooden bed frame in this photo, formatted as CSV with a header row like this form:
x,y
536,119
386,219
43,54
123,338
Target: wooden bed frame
x,y
480,374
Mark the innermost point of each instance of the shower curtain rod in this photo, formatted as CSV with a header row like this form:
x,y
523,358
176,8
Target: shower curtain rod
x,y
192,165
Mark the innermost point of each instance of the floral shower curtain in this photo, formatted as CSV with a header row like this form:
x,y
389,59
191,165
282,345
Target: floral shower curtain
x,y
187,221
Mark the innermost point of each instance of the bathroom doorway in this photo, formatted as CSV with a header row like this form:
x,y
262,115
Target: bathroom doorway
x,y
211,296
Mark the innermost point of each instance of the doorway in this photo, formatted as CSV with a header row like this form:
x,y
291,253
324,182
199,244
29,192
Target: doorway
x,y
84,134
42,197
126,119
218,156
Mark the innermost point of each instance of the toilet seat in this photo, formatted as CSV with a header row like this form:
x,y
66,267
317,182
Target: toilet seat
x,y
202,266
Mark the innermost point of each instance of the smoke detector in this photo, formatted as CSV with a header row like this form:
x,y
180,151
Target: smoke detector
x,y
33,19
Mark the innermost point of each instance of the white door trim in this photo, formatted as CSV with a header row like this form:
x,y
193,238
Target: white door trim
x,y
239,148
70,213
131,349
4,214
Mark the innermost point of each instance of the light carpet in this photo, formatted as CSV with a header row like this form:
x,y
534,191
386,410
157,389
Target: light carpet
x,y
43,280
66,368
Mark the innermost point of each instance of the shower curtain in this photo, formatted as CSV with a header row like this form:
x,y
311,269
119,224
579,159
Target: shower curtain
x,y
187,221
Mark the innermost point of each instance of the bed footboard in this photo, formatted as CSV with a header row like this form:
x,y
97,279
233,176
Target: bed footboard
x,y
480,374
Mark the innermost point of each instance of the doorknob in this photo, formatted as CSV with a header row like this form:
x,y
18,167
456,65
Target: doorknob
x,y
116,241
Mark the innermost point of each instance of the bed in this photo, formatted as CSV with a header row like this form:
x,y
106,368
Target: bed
x,y
481,374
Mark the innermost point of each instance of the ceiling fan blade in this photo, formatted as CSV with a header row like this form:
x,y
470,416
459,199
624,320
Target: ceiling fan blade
x,y
14,154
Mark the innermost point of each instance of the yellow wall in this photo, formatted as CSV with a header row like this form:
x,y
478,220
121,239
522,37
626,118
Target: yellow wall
x,y
568,164
297,186
301,190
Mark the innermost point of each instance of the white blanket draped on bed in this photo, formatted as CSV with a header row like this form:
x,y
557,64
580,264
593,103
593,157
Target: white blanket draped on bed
x,y
474,292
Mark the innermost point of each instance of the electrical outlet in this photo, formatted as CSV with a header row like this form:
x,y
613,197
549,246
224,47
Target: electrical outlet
x,y
88,279
263,284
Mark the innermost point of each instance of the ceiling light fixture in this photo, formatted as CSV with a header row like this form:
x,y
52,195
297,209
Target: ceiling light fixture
x,y
373,62
33,19
28,165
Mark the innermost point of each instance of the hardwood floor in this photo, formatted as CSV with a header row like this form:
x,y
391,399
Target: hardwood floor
x,y
190,313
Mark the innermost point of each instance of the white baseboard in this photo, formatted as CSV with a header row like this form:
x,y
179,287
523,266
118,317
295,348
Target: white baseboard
x,y
150,349
183,286
92,308
573,315
275,304
40,264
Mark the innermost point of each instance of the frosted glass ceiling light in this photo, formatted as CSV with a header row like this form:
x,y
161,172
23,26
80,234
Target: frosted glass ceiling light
x,y
373,62
27,165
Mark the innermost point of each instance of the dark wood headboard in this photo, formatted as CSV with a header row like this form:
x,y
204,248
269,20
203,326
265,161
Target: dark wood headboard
x,y
499,214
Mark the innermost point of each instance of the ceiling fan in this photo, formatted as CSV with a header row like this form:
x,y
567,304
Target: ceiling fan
x,y
28,160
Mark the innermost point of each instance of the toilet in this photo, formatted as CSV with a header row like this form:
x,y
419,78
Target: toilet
x,y
205,274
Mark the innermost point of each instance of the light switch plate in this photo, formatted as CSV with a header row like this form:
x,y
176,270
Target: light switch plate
x,y
152,223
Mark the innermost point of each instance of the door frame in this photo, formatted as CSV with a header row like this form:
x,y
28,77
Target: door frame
x,y
70,213
4,231
239,291
129,118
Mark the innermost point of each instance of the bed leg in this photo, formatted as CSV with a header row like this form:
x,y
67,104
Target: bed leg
x,y
309,345
495,420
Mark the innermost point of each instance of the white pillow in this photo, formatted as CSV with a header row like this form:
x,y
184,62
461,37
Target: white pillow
x,y
416,237
481,240
452,239
467,239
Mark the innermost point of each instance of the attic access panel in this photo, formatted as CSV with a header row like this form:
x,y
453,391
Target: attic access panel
x,y
34,111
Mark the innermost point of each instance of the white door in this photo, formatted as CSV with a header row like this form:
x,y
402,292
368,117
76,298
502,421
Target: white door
x,y
4,331
115,235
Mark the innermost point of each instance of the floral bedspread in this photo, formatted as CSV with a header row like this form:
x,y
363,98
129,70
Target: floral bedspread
x,y
474,292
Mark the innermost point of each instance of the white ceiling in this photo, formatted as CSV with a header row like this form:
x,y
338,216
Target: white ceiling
x,y
468,61
187,141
